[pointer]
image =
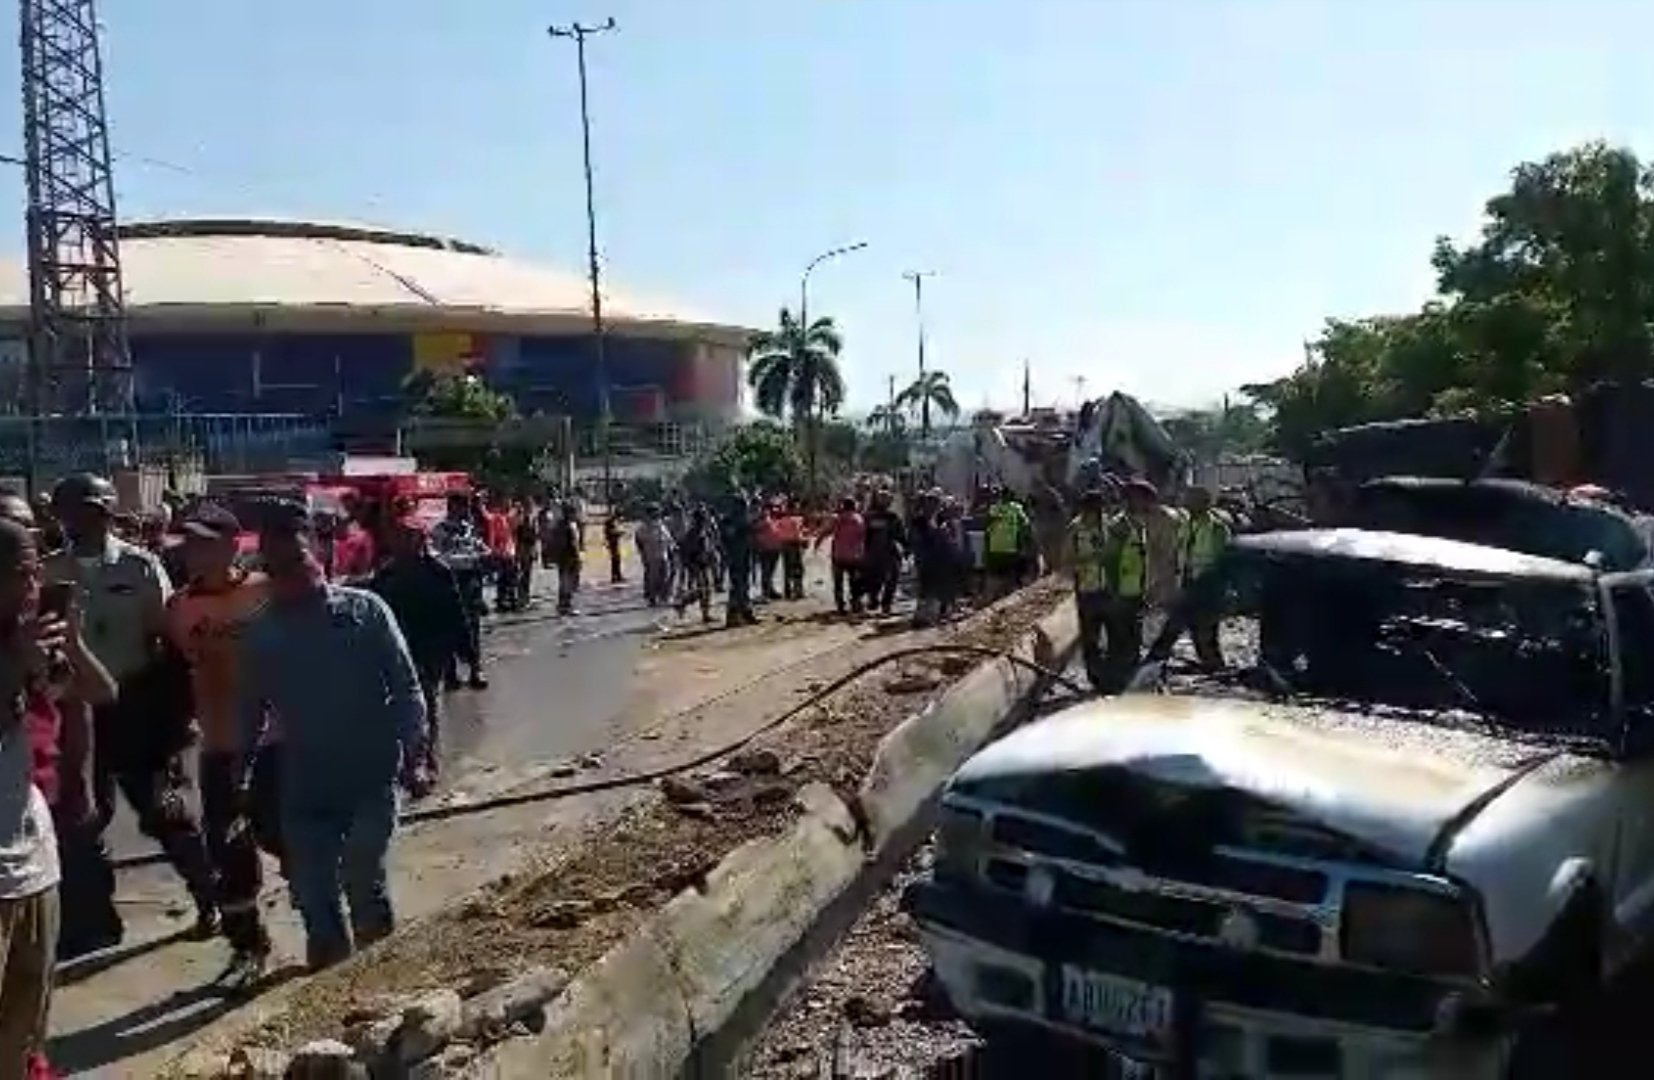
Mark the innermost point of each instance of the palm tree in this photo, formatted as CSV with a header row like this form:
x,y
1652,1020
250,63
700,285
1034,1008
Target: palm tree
x,y
794,373
932,389
888,418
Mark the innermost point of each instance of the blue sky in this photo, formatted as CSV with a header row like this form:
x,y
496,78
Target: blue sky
x,y
1163,197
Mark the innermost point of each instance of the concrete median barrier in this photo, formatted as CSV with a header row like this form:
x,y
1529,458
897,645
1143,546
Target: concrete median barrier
x,y
682,996
913,762
624,1017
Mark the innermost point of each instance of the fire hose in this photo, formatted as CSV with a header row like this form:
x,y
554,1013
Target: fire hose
x,y
418,815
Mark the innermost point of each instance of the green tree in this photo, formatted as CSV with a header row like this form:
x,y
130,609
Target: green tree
x,y
1556,292
455,397
793,371
930,390
760,456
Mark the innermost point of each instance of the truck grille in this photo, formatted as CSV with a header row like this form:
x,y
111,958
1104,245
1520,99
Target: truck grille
x,y
1014,838
1181,915
1221,871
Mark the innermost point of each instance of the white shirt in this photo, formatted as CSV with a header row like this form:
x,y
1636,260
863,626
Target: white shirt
x,y
28,846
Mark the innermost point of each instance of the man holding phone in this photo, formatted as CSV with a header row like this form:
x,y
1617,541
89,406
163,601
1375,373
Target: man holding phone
x,y
42,655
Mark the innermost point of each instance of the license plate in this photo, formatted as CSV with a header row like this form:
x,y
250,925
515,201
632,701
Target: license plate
x,y
1115,1004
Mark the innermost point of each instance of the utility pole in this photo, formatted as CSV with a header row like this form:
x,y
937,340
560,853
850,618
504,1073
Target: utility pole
x,y
579,33
1027,389
918,278
890,404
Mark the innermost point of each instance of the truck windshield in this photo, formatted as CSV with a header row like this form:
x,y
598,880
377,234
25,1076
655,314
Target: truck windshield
x,y
1527,653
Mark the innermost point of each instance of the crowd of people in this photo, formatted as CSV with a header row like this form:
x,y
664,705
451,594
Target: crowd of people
x,y
755,547
306,685
306,682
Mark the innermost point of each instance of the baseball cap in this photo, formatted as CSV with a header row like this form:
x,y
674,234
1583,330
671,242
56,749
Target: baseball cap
x,y
84,489
210,521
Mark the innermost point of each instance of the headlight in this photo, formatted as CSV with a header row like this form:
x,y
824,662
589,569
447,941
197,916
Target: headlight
x,y
958,845
1411,931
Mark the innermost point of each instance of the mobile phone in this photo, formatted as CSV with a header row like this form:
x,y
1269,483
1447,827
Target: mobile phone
x,y
54,599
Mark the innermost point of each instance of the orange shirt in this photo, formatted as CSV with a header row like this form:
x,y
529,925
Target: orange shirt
x,y
789,528
206,627
500,539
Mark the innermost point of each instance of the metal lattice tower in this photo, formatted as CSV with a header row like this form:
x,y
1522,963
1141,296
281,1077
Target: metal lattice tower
x,y
78,357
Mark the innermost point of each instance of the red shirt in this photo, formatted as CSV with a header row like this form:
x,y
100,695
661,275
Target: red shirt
x,y
849,537
353,554
500,539
44,724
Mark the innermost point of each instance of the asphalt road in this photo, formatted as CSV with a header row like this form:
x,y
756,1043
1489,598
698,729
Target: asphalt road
x,y
556,683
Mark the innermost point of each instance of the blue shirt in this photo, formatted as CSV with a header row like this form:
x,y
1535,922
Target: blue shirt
x,y
335,671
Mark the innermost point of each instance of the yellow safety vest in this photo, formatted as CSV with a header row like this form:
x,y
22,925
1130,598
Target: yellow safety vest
x,y
1004,530
1088,539
1131,566
1204,538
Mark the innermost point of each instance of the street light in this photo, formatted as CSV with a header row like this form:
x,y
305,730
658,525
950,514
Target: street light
x,y
918,278
804,281
579,34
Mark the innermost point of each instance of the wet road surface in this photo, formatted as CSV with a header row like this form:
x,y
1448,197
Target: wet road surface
x,y
556,683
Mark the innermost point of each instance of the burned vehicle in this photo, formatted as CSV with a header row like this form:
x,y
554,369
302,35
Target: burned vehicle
x,y
1400,836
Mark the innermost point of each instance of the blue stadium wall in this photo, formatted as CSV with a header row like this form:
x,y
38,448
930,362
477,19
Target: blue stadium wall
x,y
356,374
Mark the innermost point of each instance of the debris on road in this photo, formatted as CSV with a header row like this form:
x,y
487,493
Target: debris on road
x,y
572,911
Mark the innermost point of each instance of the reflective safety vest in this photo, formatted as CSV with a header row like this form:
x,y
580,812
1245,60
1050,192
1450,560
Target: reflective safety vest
x,y
1005,529
1204,537
1131,560
1088,540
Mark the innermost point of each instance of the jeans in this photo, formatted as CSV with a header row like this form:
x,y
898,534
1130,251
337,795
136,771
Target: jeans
x,y
86,893
233,848
338,848
1122,620
156,787
568,583
792,570
739,600
879,576
846,576
1092,608
767,563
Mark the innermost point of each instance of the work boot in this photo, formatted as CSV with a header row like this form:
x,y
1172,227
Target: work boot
x,y
477,682
207,923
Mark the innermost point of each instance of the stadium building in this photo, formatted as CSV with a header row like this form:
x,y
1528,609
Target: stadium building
x,y
262,318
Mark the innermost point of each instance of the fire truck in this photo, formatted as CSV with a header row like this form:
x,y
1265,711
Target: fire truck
x,y
376,495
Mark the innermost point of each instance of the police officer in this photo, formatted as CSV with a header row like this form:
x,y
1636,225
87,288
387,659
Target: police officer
x,y
1009,541
1088,537
1127,567
1206,532
140,739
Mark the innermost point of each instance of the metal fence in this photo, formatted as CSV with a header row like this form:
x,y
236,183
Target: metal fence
x,y
44,447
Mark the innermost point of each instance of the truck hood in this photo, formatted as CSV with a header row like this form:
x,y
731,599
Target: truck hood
x,y
1389,784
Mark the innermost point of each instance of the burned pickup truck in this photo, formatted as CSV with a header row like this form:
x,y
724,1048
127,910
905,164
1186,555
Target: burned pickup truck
x,y
1404,834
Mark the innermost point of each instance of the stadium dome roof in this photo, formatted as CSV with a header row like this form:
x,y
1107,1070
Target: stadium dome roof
x,y
224,265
